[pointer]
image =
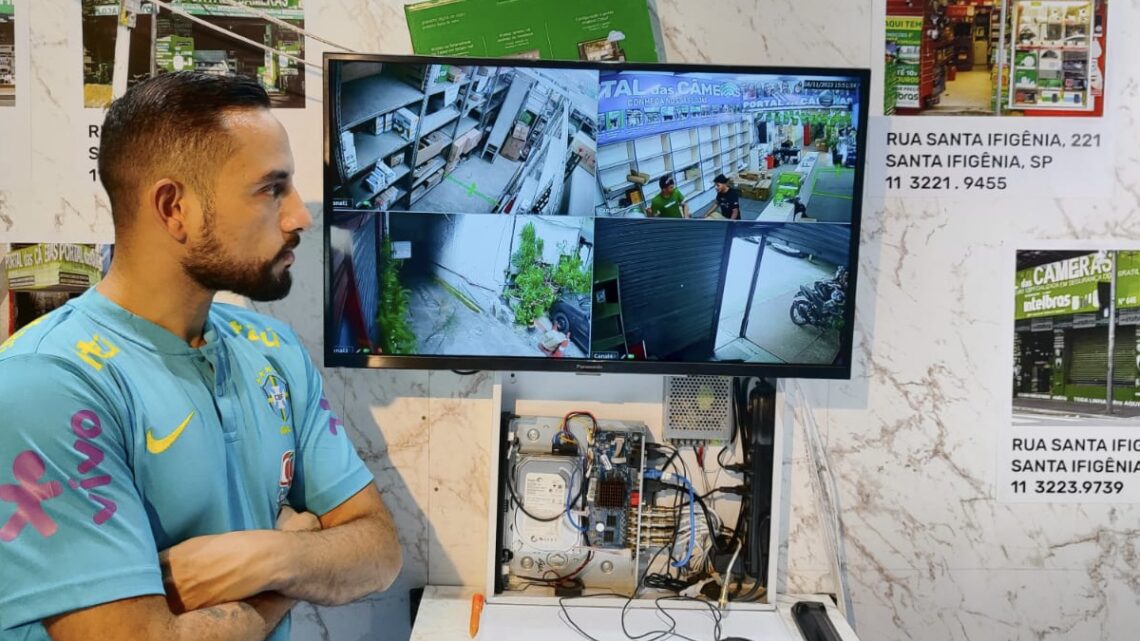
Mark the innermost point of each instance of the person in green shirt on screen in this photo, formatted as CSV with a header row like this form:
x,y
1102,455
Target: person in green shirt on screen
x,y
670,203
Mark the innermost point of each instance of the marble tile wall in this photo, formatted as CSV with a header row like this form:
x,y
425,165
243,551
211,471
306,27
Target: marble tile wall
x,y
911,437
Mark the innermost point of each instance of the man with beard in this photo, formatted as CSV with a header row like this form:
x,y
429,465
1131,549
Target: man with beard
x,y
170,467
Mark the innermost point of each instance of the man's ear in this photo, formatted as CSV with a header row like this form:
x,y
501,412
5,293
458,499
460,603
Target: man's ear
x,y
168,205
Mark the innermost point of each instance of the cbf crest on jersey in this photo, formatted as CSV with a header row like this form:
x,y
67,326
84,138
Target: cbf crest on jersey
x,y
276,396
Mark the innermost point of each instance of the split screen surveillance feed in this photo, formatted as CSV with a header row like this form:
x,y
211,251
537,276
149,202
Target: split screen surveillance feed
x,y
520,211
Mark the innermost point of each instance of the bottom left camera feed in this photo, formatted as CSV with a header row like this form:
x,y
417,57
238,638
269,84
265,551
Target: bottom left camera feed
x,y
459,285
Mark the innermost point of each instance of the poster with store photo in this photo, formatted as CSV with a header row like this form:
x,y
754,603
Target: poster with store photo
x,y
15,112
8,72
212,36
594,30
995,57
37,278
1074,429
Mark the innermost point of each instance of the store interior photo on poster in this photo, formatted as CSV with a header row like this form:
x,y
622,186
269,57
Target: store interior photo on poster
x,y
995,57
496,210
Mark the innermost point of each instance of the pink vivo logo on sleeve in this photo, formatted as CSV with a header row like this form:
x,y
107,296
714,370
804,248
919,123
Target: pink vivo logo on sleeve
x,y
28,494
85,424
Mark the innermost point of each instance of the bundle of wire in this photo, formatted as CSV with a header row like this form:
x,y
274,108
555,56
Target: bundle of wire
x,y
652,635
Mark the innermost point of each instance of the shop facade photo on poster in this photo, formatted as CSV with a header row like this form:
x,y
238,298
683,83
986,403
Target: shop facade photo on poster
x,y
185,36
1075,377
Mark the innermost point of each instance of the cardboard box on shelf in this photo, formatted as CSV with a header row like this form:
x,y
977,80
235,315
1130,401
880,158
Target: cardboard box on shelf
x,y
348,150
586,149
388,173
420,76
380,177
456,74
692,173
385,198
430,146
406,123
453,153
451,94
375,126
396,159
469,140
512,149
374,182
638,177
520,131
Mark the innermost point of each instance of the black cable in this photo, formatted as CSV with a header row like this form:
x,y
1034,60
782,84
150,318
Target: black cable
x,y
565,614
719,454
660,634
716,613
663,582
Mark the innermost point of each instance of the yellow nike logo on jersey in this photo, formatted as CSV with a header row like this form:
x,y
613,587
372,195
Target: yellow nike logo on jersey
x,y
160,445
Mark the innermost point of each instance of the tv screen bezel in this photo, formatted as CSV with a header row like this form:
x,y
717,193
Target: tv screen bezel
x,y
838,371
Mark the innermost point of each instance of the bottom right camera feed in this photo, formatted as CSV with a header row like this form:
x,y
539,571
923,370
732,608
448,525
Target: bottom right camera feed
x,y
720,291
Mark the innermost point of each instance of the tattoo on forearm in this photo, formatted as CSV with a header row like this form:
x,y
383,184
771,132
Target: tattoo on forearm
x,y
218,612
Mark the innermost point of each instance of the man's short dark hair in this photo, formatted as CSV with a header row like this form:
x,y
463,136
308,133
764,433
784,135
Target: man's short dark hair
x,y
170,125
665,181
721,179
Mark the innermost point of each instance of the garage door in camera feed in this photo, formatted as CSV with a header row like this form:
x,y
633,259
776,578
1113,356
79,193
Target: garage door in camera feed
x,y
520,211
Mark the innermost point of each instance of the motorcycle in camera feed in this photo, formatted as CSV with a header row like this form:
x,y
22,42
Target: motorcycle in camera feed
x,y
821,304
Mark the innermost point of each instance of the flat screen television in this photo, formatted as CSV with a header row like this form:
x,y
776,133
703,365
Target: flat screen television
x,y
592,217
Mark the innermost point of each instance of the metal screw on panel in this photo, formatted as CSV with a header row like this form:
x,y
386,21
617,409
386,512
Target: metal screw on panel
x,y
607,567
532,434
527,562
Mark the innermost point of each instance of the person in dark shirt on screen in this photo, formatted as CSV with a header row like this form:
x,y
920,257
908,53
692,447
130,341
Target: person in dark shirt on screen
x,y
727,198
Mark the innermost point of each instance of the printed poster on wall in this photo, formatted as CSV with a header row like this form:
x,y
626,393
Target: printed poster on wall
x,y
996,98
15,111
595,30
903,53
7,53
195,39
36,278
1074,429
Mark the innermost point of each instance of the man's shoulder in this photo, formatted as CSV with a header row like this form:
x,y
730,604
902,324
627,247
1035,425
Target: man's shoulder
x,y
58,333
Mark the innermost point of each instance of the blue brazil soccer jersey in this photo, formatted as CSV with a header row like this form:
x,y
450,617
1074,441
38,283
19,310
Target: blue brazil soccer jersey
x,y
118,440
